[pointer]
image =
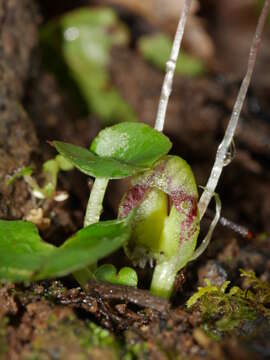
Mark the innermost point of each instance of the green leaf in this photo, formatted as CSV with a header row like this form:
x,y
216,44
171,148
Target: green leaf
x,y
93,165
21,250
118,151
156,49
86,247
77,48
24,256
126,276
25,171
133,143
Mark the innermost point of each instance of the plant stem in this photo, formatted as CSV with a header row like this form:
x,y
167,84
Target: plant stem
x,y
92,215
94,206
163,279
230,131
170,68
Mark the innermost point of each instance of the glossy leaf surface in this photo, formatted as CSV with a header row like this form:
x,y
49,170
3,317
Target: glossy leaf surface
x,y
93,165
133,143
118,151
24,256
86,247
21,250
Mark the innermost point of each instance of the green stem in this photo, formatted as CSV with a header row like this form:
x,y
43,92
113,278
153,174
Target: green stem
x,y
163,279
92,215
94,206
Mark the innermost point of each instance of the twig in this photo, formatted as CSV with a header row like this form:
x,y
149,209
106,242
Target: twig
x,y
170,68
128,294
237,228
230,131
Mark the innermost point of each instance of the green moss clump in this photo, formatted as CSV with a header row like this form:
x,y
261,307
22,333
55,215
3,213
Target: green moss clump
x,y
100,337
134,348
225,311
69,337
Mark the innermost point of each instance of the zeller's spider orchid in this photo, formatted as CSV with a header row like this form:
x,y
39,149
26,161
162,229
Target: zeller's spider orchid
x,y
159,216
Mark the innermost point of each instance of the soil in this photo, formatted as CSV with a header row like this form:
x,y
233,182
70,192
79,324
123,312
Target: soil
x,y
56,319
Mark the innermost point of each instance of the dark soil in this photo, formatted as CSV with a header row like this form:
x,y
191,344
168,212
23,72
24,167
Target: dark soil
x,y
52,320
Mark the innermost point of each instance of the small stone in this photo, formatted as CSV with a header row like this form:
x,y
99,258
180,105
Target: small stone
x,y
212,271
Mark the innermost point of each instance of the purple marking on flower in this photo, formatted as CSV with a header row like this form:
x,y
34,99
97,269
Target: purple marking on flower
x,y
184,202
133,198
179,198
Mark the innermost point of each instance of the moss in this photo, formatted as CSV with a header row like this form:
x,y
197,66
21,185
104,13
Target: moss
x,y
258,292
231,311
134,348
99,337
59,333
69,337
